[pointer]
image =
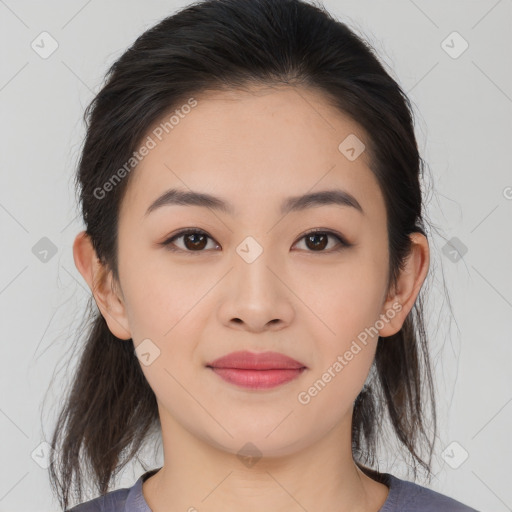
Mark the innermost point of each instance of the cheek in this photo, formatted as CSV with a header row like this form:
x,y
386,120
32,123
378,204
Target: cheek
x,y
348,301
169,307
158,295
346,298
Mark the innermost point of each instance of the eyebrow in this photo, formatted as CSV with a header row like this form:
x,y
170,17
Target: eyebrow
x,y
175,196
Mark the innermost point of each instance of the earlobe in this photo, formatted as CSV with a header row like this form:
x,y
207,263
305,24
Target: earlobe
x,y
401,300
102,286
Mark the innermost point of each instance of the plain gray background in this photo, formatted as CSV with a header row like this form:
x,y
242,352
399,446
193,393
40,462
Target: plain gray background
x,y
463,108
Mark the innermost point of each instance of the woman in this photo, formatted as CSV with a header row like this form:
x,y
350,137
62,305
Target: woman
x,y
250,185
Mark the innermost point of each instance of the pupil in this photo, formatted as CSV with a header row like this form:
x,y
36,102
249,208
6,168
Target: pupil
x,y
196,244
322,244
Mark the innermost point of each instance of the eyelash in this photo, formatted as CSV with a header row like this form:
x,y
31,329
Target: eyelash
x,y
168,243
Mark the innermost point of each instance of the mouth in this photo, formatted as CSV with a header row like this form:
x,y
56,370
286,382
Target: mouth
x,y
257,370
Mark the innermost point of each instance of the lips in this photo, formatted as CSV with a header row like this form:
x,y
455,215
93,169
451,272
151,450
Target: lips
x,y
256,371
244,360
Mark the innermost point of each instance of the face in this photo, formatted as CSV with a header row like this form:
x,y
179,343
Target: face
x,y
255,278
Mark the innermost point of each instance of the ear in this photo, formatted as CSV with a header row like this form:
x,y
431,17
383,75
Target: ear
x,y
401,299
100,281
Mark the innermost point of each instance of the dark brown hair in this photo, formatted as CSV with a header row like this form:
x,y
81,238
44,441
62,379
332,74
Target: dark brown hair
x,y
110,408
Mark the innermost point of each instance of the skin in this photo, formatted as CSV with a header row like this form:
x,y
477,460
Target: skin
x,y
255,148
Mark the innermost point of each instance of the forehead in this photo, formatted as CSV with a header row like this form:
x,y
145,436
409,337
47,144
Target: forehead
x,y
254,147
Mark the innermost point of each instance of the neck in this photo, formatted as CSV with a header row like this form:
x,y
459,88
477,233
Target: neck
x,y
320,476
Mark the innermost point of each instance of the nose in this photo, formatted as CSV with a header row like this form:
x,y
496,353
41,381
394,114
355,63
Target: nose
x,y
255,296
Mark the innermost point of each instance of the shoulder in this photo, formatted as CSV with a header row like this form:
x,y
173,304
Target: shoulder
x,y
113,501
127,499
412,497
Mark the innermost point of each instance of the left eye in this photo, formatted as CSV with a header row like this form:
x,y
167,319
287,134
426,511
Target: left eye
x,y
195,240
318,239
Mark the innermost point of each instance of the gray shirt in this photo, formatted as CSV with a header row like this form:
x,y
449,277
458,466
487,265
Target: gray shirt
x,y
403,496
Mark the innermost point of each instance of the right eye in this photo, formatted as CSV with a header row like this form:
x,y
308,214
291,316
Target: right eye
x,y
194,240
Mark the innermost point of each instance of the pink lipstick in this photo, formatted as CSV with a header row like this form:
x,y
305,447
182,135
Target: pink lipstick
x,y
261,370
